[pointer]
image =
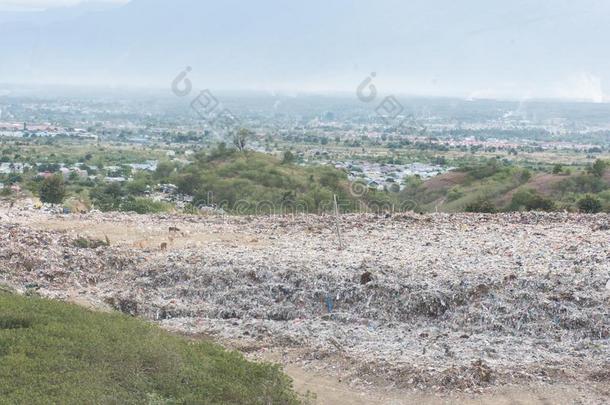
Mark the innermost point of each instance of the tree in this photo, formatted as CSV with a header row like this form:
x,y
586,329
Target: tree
x,y
590,204
240,138
164,170
598,168
288,157
107,197
53,190
557,169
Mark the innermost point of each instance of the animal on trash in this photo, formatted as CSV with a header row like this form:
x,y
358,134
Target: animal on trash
x,y
164,246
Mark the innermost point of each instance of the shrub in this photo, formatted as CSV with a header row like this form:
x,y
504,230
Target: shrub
x,y
526,175
490,168
598,168
455,194
107,197
583,183
590,204
530,200
53,190
143,206
288,157
481,205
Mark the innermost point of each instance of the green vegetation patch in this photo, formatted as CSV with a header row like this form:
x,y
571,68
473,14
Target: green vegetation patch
x,y
51,352
255,183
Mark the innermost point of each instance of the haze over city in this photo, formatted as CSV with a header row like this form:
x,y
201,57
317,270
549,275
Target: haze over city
x,y
469,49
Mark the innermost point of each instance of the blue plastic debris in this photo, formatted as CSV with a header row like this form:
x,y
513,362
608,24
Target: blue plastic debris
x,y
329,303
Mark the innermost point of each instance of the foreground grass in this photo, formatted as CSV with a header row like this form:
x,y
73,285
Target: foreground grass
x,y
51,352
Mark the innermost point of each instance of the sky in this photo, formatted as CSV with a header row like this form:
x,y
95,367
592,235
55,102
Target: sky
x,y
37,5
518,49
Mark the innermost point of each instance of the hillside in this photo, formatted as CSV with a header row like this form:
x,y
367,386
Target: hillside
x,y
504,186
52,352
257,183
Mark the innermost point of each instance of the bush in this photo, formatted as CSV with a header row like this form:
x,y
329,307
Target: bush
x,y
53,190
530,200
482,205
288,157
490,168
598,168
590,204
526,175
582,183
143,206
107,197
455,194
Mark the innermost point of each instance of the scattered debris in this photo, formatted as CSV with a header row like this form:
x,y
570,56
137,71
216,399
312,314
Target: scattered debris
x,y
87,243
445,301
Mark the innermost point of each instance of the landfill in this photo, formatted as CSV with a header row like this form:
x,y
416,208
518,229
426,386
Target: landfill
x,y
436,302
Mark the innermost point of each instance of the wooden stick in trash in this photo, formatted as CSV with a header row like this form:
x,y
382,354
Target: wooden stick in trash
x,y
337,222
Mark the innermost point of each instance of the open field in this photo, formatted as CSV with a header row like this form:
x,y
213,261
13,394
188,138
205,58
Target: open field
x,y
461,308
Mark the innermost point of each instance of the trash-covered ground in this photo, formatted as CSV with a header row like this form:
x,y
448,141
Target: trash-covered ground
x,y
433,302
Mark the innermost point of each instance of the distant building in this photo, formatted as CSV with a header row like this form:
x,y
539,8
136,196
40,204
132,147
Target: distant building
x,y
80,173
149,166
65,172
45,175
168,188
115,179
375,185
13,168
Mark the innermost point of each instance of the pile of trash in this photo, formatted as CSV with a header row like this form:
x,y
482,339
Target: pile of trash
x,y
443,301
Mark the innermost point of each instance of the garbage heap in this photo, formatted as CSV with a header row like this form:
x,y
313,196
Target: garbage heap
x,y
439,301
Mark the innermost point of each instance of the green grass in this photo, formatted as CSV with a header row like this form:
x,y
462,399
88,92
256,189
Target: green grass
x,y
256,183
56,353
498,183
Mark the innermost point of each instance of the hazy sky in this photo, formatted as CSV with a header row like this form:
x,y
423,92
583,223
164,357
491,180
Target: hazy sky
x,y
516,49
33,5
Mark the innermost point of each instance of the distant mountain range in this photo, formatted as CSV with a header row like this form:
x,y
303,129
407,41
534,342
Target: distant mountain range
x,y
523,48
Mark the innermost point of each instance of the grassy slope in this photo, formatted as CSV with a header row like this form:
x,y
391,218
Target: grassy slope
x,y
451,192
52,352
250,180
254,177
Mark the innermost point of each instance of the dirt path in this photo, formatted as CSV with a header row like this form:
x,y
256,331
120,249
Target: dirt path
x,y
144,237
329,391
323,388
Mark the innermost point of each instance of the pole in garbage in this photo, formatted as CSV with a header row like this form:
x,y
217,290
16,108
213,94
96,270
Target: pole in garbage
x,y
337,222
